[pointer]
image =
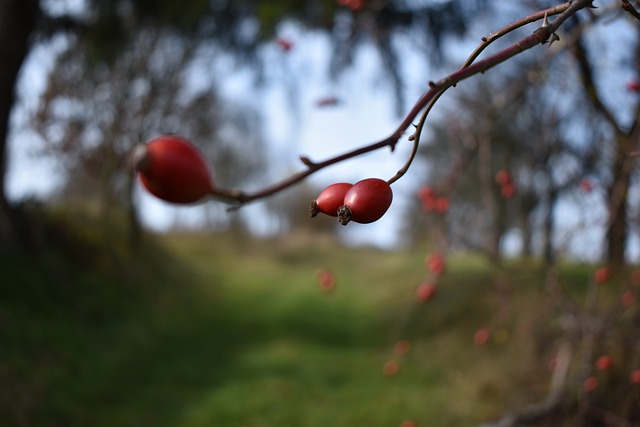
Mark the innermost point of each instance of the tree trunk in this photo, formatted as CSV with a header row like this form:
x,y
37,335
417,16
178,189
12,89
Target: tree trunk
x,y
616,236
18,19
549,227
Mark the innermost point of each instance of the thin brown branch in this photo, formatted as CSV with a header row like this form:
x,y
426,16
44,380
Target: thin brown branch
x,y
586,76
534,17
427,100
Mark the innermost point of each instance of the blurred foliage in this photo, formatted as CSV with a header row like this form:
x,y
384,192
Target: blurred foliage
x,y
209,329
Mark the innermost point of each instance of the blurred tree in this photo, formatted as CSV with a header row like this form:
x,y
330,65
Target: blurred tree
x,y
18,19
516,130
105,28
624,137
92,115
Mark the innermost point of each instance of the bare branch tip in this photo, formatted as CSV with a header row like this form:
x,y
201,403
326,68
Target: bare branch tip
x,y
306,161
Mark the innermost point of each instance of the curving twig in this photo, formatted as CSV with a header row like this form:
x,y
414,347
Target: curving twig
x,y
428,99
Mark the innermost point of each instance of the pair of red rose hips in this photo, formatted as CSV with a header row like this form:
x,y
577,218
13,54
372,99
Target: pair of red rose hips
x,y
173,169
364,202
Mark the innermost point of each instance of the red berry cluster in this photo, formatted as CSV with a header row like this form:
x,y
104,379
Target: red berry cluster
x,y
433,202
435,267
364,202
505,180
173,169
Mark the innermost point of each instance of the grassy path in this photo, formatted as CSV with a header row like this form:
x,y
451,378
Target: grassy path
x,y
215,333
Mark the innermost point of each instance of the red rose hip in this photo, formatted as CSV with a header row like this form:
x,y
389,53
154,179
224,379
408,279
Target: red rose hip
x,y
173,169
365,202
330,199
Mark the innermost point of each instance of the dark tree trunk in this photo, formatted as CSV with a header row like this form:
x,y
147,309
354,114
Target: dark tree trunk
x,y
616,236
549,227
18,19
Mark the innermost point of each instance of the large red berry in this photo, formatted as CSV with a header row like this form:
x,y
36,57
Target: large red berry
x,y
330,199
173,169
366,201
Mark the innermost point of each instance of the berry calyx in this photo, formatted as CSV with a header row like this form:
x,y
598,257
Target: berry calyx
x,y
365,202
329,199
173,169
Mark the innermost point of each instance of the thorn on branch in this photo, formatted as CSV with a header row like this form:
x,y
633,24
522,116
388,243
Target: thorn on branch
x,y
545,20
307,161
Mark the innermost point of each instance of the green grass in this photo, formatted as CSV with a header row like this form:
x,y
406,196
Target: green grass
x,y
211,331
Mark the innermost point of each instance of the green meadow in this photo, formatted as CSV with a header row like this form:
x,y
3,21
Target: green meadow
x,y
215,330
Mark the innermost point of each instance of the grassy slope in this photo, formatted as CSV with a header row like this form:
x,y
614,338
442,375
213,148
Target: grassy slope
x,y
216,332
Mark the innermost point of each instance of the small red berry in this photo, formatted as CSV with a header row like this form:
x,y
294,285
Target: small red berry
x,y
604,363
402,347
628,298
284,43
633,86
602,275
408,423
586,185
425,291
503,177
590,384
173,169
326,280
391,368
330,199
634,377
435,264
425,193
366,201
508,190
441,205
327,101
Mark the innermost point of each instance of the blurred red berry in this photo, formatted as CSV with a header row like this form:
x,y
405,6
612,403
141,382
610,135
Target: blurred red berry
x,y
633,86
284,43
586,185
604,363
503,177
481,337
634,377
628,298
327,101
425,291
402,347
435,264
590,384
326,280
408,423
508,190
391,368
441,205
602,275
